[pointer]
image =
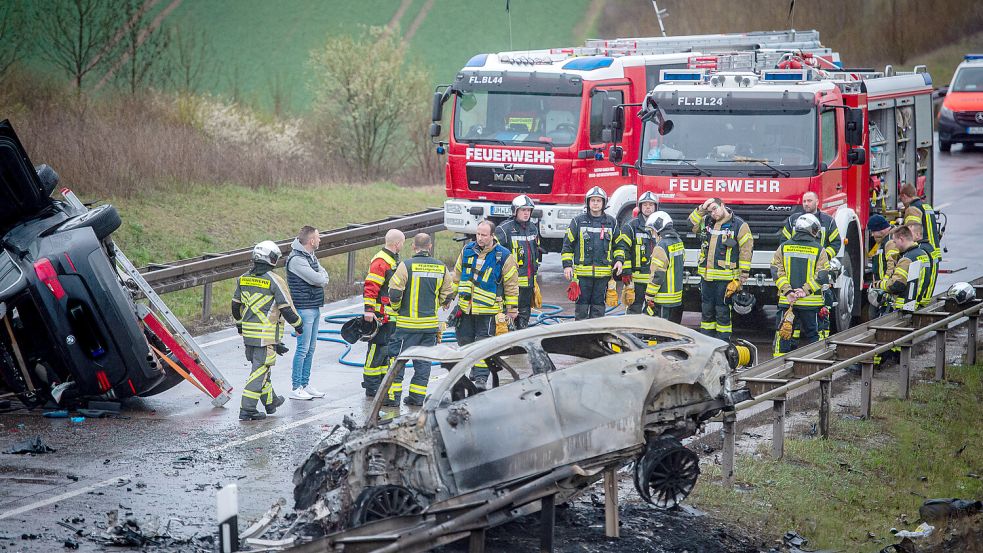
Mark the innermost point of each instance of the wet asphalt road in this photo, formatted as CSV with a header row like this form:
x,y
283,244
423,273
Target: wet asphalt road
x,y
163,460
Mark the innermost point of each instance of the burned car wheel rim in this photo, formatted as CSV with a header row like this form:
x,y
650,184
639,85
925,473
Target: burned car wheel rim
x,y
381,502
666,474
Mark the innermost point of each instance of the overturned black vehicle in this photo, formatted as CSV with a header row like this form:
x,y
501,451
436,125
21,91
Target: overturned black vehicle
x,y
565,403
68,326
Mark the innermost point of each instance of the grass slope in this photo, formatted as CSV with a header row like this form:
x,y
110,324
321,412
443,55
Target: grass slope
x,y
846,493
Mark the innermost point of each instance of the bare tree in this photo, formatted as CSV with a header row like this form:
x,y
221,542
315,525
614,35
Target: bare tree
x,y
13,38
80,34
191,54
279,93
142,48
363,105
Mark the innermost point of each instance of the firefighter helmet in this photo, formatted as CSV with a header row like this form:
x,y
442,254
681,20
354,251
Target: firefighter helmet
x,y
743,301
658,221
266,251
596,192
357,328
521,202
647,197
962,292
808,223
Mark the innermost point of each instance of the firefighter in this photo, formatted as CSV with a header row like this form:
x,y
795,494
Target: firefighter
x,y
418,287
829,238
587,253
917,211
482,269
266,299
926,289
905,280
633,248
724,265
883,255
377,308
800,268
520,235
664,291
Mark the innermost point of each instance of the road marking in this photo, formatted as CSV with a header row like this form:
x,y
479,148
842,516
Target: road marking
x,y
279,429
220,341
62,497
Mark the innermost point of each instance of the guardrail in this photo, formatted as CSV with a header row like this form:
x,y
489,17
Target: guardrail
x,y
215,267
775,379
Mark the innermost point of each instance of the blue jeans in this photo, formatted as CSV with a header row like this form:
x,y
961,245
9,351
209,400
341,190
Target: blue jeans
x,y
304,353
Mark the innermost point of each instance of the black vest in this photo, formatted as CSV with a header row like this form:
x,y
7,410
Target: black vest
x,y
305,295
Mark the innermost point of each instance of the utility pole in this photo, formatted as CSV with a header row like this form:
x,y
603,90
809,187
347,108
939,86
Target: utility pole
x,y
660,14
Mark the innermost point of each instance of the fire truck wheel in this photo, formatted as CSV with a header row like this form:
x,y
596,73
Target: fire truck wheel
x,y
845,296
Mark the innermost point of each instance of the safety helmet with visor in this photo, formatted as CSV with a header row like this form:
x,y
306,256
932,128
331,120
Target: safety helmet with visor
x,y
808,223
521,202
596,192
658,222
267,252
743,302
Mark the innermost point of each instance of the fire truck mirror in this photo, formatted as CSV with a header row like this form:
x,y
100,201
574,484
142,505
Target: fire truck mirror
x,y
665,126
854,133
856,156
438,108
434,130
616,154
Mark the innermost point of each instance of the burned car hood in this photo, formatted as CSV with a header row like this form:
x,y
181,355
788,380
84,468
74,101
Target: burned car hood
x,y
22,195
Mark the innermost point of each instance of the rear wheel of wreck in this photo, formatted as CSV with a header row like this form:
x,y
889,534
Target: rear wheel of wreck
x,y
381,502
666,473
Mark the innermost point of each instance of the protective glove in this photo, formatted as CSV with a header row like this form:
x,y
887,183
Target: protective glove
x,y
280,349
537,295
732,287
824,312
626,278
628,295
299,330
239,328
785,330
573,290
611,297
501,324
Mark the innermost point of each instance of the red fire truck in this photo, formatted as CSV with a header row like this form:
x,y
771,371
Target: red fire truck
x,y
533,122
759,139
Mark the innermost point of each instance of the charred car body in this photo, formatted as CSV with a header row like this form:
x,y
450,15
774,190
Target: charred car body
x,y
65,316
565,402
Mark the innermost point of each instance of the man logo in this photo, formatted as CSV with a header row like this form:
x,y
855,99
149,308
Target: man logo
x,y
778,208
507,174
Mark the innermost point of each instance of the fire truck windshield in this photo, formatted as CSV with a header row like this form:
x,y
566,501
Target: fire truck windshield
x,y
716,140
516,118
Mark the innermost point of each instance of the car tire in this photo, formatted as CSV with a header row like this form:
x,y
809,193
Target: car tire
x,y
103,221
945,146
382,502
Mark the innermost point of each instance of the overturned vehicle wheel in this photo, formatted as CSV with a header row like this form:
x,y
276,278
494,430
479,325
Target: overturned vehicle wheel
x,y
666,473
381,502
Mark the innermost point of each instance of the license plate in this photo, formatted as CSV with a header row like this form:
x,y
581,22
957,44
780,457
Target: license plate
x,y
501,210
975,130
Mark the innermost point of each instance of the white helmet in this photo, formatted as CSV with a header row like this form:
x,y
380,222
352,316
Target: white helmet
x,y
648,197
961,292
266,251
809,223
658,221
596,192
520,202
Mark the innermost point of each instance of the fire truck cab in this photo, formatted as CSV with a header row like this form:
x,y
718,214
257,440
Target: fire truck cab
x,y
760,139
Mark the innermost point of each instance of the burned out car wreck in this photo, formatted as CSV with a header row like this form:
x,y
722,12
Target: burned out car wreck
x,y
564,404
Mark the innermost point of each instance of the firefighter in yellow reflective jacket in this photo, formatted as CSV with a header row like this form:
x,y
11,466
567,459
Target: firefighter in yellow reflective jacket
x,y
633,248
829,239
260,299
929,269
482,272
800,268
724,265
883,254
664,292
377,307
588,254
921,213
420,285
906,280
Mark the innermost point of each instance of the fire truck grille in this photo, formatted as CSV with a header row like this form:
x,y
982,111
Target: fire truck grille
x,y
765,221
514,179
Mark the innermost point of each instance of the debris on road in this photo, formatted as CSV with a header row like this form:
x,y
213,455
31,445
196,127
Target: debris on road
x,y
33,446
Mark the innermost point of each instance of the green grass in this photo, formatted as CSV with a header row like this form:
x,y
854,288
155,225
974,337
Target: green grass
x,y
166,226
942,63
869,477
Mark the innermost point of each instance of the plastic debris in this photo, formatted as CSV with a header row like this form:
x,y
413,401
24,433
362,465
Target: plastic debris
x,y
57,414
923,530
34,445
78,419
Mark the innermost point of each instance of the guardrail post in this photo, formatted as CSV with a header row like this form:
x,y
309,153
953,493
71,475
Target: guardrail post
x,y
730,447
778,428
940,354
476,543
867,390
350,278
611,526
547,523
904,376
974,321
825,387
206,302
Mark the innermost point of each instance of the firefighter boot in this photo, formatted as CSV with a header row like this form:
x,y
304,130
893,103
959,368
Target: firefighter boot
x,y
277,401
245,415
